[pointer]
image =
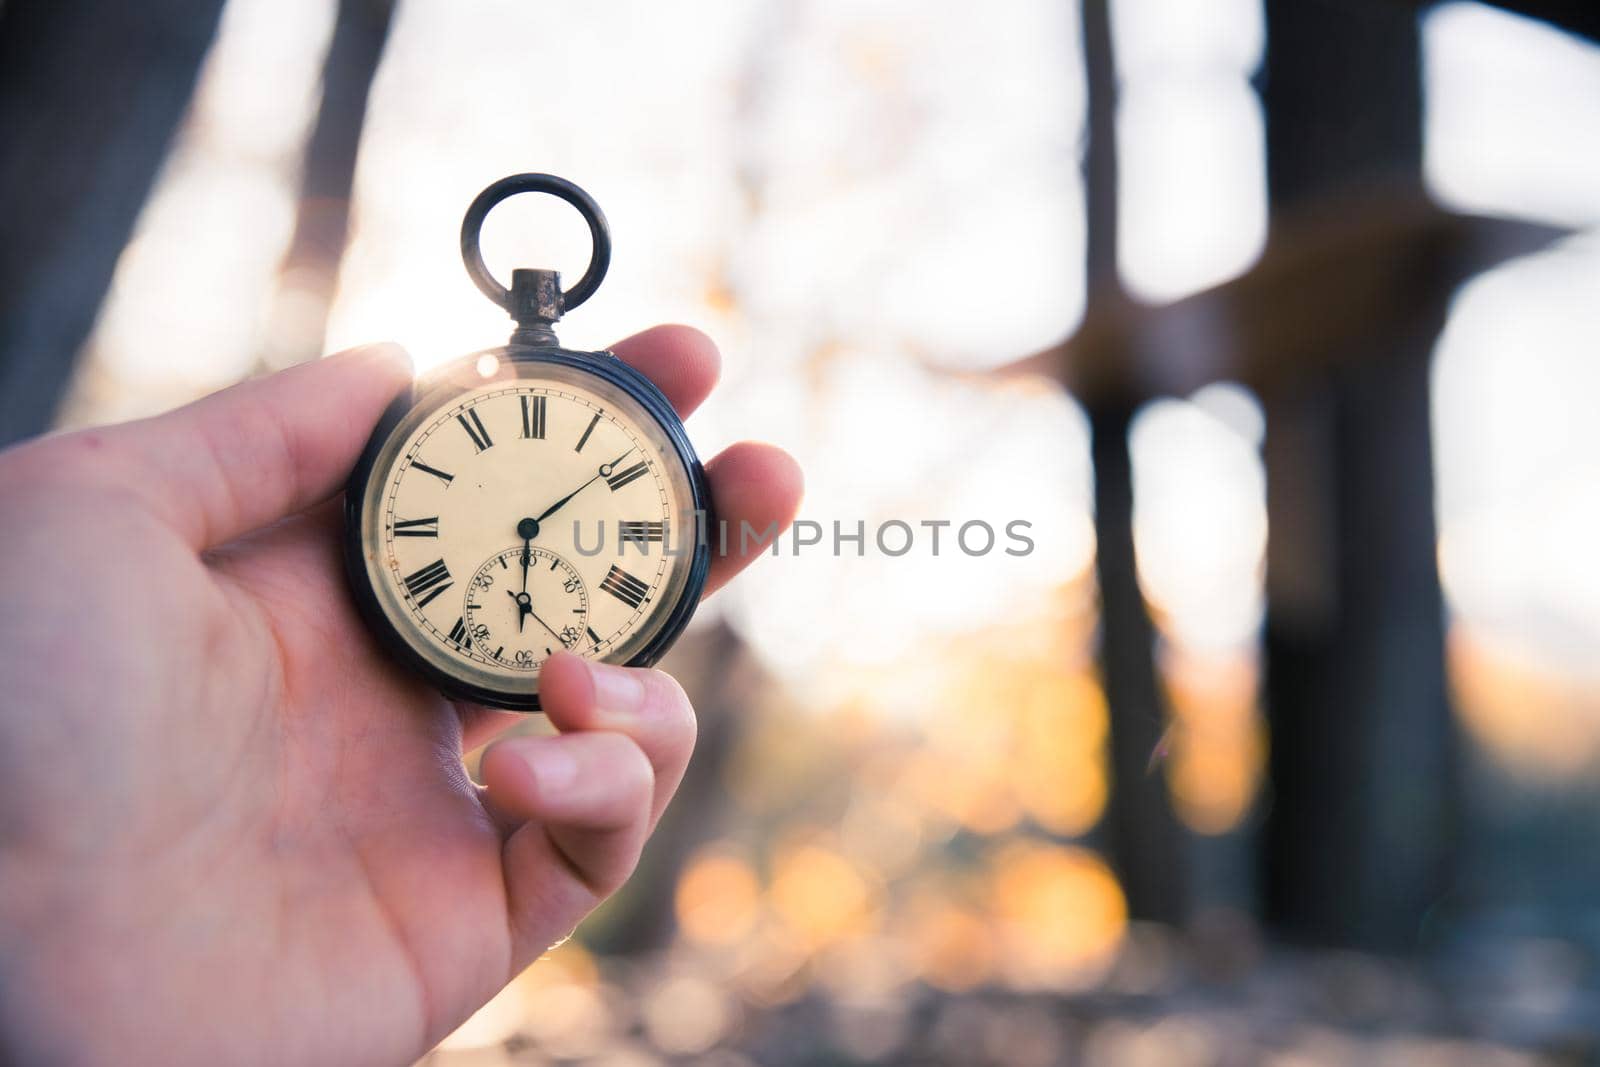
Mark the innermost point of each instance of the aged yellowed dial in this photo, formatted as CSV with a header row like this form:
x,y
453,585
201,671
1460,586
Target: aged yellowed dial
x,y
524,505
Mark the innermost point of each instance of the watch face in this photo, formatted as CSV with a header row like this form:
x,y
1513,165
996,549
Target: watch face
x,y
523,506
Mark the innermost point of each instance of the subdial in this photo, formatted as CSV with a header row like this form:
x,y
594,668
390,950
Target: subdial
x,y
522,605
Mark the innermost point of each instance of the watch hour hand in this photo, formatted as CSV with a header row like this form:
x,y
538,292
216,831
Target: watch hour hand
x,y
552,508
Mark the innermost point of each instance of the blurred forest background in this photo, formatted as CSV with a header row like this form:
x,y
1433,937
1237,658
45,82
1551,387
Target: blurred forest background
x,y
1283,746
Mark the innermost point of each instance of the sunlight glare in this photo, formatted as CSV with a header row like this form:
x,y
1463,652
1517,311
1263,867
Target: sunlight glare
x,y
1513,115
1200,523
1191,144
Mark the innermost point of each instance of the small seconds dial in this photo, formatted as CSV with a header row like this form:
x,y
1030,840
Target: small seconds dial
x,y
522,605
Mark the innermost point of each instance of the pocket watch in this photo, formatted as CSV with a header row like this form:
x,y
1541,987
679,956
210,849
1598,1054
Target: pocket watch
x,y
527,498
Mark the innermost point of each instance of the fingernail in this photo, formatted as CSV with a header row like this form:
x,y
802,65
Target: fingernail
x,y
552,765
616,689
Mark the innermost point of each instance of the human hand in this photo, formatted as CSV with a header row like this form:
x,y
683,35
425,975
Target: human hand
x,y
230,829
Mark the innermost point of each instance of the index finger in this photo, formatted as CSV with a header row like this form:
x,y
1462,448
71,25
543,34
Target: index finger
x,y
682,361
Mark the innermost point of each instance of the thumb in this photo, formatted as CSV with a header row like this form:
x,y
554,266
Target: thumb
x,y
256,452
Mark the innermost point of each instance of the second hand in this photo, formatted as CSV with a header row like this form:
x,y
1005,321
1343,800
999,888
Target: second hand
x,y
546,625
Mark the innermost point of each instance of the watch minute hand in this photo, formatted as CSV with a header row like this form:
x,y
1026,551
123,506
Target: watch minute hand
x,y
552,508
604,471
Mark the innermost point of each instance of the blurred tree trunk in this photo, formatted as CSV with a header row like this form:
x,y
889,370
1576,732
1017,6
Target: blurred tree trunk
x,y
1361,738
91,94
1145,841
298,321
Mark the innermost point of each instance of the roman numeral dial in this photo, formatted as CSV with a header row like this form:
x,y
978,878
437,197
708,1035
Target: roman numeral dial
x,y
542,509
